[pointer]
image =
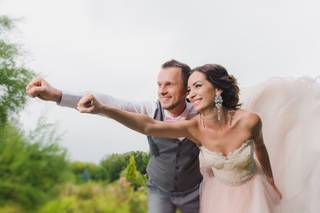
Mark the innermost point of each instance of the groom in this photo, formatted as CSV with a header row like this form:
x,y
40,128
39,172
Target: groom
x,y
173,169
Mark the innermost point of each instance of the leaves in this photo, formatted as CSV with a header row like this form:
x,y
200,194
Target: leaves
x,y
5,23
29,171
115,163
13,77
132,175
34,168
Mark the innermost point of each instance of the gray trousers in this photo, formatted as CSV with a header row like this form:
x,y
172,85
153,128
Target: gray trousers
x,y
160,201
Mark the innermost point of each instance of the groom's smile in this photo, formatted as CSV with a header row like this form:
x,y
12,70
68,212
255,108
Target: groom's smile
x,y
171,91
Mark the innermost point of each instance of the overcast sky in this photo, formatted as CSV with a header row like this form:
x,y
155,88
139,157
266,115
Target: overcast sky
x,y
117,47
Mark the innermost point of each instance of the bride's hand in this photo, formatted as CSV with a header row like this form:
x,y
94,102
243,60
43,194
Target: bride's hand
x,y
89,104
277,190
271,181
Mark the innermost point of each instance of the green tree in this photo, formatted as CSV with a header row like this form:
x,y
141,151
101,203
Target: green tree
x,y
30,166
132,175
142,160
13,74
113,164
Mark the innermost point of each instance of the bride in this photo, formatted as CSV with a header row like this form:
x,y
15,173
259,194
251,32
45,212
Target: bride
x,y
234,162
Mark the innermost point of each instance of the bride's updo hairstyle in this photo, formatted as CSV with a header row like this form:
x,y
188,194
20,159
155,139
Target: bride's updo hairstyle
x,y
218,76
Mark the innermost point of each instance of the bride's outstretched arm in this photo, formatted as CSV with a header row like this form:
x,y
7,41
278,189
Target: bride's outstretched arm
x,y
261,151
138,122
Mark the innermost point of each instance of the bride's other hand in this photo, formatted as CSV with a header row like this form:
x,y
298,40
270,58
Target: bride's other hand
x,y
271,181
277,190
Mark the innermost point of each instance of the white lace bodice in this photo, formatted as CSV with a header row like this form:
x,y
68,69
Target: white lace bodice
x,y
234,168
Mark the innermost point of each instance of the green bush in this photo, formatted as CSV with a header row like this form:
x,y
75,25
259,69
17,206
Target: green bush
x,y
86,171
10,209
29,171
96,197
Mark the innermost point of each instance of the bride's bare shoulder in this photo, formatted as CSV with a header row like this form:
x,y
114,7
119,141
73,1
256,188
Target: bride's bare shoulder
x,y
250,119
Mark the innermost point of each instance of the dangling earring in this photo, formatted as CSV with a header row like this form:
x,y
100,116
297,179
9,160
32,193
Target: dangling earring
x,y
218,103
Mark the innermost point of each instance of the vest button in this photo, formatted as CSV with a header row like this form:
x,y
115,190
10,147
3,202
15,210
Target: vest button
x,y
178,155
177,167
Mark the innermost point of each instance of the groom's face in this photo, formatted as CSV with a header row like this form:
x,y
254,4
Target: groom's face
x,y
171,90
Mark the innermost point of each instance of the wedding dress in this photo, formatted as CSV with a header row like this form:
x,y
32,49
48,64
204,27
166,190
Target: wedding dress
x,y
290,113
234,183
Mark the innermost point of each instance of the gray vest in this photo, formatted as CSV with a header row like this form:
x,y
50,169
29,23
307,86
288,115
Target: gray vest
x,y
174,164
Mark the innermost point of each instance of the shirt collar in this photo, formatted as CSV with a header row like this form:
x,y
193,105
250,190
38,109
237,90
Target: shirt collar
x,y
187,112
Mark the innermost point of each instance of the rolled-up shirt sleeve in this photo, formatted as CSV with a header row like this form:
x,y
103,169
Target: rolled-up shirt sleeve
x,y
71,99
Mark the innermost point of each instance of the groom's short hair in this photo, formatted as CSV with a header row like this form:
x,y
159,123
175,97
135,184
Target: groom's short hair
x,y
185,69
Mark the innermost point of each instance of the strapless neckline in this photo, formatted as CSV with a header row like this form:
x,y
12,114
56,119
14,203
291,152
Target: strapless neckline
x,y
231,153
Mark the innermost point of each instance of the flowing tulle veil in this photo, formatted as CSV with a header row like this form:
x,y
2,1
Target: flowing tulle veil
x,y
290,112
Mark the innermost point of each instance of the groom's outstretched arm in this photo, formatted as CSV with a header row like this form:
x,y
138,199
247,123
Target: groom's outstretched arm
x,y
40,88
